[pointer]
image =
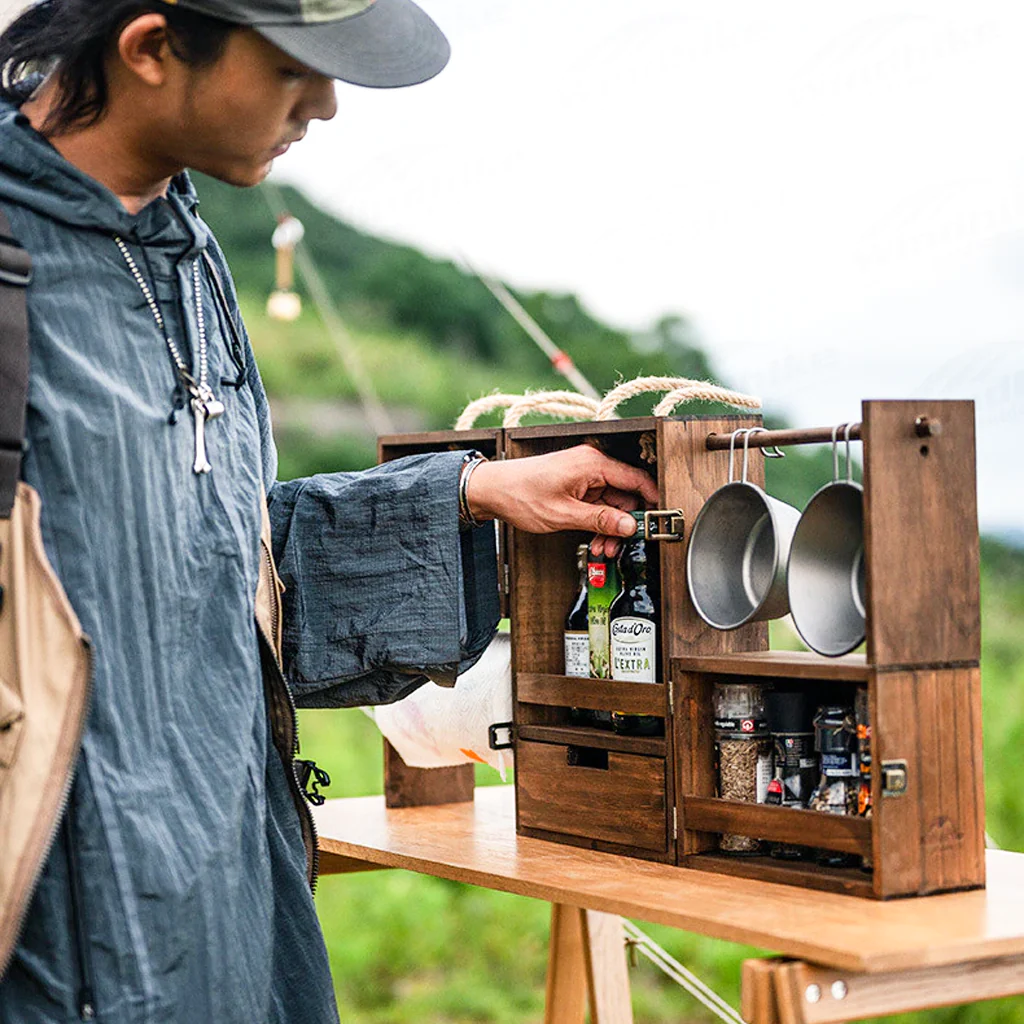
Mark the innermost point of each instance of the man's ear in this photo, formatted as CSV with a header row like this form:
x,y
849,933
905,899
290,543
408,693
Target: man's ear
x,y
144,48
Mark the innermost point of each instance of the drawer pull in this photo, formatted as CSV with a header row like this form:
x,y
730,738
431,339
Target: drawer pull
x,y
586,757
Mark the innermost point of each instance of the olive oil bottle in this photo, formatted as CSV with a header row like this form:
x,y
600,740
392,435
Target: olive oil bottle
x,y
633,628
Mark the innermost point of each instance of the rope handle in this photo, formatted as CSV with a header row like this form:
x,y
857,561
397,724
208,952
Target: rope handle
x,y
570,405
705,393
680,389
481,406
574,406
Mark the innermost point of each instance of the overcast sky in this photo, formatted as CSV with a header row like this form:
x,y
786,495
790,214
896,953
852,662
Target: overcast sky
x,y
832,192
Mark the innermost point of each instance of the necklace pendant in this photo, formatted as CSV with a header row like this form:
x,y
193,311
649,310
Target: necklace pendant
x,y
202,463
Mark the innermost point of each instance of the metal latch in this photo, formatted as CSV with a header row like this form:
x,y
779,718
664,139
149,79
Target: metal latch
x,y
492,735
894,778
664,524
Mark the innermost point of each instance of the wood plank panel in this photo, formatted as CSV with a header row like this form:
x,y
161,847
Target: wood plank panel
x,y
694,738
565,1001
688,474
596,694
604,942
418,787
778,824
601,739
846,996
921,535
779,665
623,802
805,874
930,838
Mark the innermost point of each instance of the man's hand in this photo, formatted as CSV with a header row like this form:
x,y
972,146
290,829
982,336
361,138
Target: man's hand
x,y
576,489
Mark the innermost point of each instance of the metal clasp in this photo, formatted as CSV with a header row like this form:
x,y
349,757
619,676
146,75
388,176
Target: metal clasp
x,y
664,524
894,778
492,735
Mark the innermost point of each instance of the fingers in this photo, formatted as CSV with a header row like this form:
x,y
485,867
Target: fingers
x,y
623,477
606,547
620,499
603,520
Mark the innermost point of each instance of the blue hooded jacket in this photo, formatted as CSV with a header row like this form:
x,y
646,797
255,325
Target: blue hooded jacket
x,y
180,893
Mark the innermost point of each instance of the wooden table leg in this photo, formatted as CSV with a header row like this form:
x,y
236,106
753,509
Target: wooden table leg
x,y
587,963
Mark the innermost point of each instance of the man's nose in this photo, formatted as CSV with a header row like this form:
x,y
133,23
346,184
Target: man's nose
x,y
321,100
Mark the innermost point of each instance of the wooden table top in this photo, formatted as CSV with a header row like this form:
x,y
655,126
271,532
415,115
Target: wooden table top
x,y
477,843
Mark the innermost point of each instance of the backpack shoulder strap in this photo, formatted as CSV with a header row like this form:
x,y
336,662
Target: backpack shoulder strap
x,y
15,275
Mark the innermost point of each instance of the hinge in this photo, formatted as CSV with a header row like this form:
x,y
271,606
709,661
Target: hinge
x,y
671,696
507,580
675,822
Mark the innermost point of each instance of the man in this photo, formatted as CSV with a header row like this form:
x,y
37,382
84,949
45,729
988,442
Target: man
x,y
180,888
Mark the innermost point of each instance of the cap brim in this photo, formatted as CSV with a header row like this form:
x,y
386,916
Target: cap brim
x,y
391,44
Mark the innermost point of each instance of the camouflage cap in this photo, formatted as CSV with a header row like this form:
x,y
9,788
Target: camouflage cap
x,y
378,43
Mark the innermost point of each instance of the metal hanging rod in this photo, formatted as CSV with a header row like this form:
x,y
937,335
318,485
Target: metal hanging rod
x,y
771,438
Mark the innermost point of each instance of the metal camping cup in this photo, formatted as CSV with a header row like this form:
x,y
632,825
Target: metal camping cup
x,y
826,563
739,549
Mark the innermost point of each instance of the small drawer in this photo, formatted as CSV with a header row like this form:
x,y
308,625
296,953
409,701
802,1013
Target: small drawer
x,y
593,793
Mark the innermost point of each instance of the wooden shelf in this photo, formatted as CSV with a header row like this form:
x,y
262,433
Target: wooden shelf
x,y
777,824
851,668
594,694
807,874
601,739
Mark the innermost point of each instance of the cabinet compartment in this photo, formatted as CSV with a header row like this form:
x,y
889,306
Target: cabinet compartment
x,y
593,794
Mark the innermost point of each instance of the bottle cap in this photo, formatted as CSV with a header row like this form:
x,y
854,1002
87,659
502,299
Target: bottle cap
x,y
788,711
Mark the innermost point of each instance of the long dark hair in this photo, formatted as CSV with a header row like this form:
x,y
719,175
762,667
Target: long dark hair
x,y
73,38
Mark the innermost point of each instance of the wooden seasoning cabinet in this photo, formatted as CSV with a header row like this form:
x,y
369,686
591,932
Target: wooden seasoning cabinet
x,y
655,797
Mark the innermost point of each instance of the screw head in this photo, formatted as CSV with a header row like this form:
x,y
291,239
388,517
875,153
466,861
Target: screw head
x,y
813,993
839,989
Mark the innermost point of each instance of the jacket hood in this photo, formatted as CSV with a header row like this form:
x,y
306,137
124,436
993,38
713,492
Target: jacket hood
x,y
33,174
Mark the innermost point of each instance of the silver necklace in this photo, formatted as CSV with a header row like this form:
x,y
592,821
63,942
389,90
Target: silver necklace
x,y
205,405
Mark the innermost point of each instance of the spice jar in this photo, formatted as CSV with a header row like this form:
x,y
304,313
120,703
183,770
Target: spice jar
x,y
744,752
789,715
835,738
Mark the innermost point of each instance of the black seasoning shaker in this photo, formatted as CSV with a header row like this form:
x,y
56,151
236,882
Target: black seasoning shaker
x,y
835,738
789,716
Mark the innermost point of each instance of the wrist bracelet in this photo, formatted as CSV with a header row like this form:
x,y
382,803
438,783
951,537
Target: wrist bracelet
x,y
469,465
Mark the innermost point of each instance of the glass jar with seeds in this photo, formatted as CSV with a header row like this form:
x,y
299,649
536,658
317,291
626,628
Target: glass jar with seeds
x,y
743,751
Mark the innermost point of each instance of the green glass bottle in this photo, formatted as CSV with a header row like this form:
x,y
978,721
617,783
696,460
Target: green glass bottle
x,y
633,627
577,637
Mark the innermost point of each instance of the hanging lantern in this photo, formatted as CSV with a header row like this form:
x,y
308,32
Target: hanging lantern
x,y
284,303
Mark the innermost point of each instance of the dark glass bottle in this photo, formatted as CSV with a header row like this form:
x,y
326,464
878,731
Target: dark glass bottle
x,y
634,620
577,637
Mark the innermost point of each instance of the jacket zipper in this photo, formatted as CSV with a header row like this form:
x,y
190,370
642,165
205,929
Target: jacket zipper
x,y
85,999
62,804
298,796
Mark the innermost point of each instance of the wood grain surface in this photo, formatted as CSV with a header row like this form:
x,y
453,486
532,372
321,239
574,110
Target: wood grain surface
x,y
623,801
778,824
921,535
932,837
476,843
779,664
874,995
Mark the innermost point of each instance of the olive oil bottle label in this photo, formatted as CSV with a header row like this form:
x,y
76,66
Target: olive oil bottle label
x,y
634,645
577,653
602,589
